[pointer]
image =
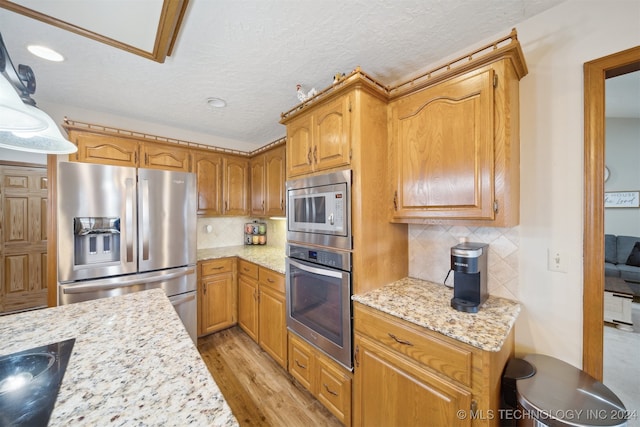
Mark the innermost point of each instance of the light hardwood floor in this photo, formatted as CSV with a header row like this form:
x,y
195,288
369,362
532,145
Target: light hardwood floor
x,y
258,390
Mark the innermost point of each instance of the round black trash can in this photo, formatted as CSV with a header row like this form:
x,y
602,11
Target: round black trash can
x,y
541,391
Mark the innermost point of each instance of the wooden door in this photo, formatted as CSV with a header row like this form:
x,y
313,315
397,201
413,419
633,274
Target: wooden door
x,y
258,185
165,157
332,134
208,169
217,303
236,186
275,179
248,306
23,238
299,160
389,391
443,140
272,325
104,149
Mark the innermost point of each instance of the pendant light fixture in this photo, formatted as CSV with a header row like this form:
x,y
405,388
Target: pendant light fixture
x,y
23,126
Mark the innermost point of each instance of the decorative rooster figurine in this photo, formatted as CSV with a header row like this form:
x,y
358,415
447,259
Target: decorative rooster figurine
x,y
302,96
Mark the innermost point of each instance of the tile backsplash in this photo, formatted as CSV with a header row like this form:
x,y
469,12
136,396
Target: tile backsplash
x,y
229,231
430,249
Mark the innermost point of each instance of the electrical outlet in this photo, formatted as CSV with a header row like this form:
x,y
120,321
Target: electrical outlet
x,y
556,261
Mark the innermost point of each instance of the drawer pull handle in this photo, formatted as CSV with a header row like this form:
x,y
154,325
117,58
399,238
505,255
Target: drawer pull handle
x,y
270,280
300,365
400,341
326,387
218,268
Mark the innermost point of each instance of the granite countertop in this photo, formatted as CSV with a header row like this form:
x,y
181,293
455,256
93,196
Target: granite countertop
x,y
428,305
270,257
133,363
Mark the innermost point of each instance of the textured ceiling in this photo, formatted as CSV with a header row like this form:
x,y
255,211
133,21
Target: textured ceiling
x,y
253,53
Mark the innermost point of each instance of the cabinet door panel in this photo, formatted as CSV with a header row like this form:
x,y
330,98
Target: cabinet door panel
x,y
392,392
166,157
258,185
104,149
272,325
208,169
331,138
248,306
299,160
217,303
274,182
445,150
236,186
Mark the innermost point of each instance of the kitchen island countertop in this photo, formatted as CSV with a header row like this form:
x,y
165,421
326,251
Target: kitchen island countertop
x,y
133,363
427,304
270,257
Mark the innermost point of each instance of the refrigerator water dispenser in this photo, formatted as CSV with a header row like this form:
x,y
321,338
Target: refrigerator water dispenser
x,y
96,240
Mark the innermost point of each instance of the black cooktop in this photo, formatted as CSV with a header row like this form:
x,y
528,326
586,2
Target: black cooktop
x,y
29,383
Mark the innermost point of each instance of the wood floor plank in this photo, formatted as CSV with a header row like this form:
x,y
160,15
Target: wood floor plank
x,y
258,390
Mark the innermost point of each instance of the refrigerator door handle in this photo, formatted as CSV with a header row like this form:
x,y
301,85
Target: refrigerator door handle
x,y
128,213
89,287
144,225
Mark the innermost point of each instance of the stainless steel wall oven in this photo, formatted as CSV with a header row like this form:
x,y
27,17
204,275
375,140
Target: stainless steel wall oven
x,y
319,298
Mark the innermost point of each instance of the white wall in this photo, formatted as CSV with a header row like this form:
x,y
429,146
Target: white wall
x,y
556,44
21,156
623,159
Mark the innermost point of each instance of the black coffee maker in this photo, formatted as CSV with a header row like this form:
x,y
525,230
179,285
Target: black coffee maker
x,y
469,265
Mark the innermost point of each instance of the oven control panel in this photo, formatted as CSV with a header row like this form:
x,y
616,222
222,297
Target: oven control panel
x,y
328,257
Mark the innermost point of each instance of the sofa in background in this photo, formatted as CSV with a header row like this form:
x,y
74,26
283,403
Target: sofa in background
x,y
622,259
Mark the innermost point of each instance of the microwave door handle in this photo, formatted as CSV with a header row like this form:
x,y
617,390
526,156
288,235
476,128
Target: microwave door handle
x,y
91,287
128,219
331,221
315,270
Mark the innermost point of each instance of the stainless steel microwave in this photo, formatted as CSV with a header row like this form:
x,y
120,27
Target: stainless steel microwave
x,y
319,210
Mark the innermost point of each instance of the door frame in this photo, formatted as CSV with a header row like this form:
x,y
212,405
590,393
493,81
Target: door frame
x,y
595,73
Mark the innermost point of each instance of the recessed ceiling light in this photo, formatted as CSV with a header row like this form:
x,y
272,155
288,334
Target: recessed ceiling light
x,y
216,102
45,53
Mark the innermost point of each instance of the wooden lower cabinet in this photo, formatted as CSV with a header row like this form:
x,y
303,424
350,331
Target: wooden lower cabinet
x,y
217,295
406,375
329,382
261,308
393,392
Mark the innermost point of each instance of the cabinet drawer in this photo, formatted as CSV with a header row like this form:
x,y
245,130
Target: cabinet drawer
x,y
272,279
334,389
216,266
430,351
300,361
248,269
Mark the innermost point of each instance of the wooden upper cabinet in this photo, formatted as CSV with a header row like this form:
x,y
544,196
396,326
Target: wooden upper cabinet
x,y
165,156
456,150
257,185
275,178
236,186
117,150
104,149
268,182
208,170
320,139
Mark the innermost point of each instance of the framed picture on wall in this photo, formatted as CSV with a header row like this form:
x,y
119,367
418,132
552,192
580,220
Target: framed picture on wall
x,y
622,199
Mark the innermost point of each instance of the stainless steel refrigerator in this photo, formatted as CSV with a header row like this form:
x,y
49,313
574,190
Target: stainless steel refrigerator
x,y
123,230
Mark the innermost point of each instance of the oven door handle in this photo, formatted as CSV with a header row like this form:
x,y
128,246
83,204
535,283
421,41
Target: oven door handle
x,y
326,271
